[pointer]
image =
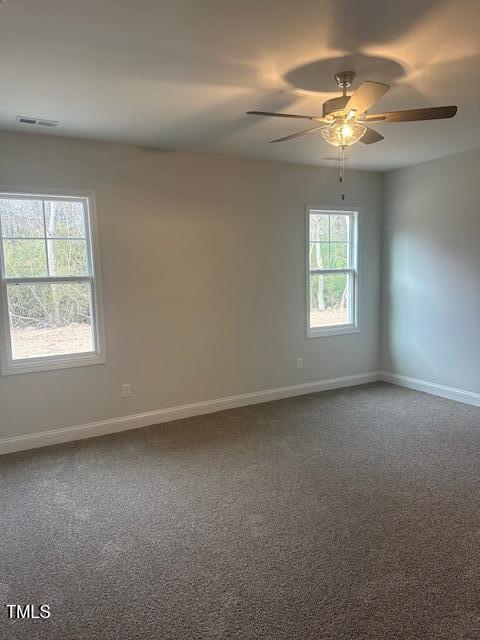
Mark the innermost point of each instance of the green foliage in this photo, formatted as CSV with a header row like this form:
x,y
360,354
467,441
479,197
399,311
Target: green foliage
x,y
333,290
24,258
48,305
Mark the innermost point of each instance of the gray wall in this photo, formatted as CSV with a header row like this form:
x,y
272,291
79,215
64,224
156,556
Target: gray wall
x,y
186,318
431,268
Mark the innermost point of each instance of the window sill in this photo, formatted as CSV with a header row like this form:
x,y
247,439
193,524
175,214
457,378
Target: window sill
x,y
332,331
33,365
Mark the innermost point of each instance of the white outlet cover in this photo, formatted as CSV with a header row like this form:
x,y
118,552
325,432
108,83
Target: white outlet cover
x,y
126,390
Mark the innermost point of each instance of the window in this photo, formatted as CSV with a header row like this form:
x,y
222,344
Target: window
x,y
50,294
332,278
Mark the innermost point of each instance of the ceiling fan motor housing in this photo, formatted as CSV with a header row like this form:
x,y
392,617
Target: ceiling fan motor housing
x,y
330,107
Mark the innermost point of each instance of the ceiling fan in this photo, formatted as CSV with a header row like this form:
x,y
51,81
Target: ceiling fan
x,y
345,119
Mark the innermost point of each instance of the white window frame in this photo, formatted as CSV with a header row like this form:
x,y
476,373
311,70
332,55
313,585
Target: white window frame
x,y
8,365
353,325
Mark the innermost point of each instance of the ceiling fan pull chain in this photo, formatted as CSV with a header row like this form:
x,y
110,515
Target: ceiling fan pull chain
x,y
342,171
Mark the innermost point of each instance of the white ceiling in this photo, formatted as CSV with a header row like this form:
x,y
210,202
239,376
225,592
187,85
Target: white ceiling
x,y
180,74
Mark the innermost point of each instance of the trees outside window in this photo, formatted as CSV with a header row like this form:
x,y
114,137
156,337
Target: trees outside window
x,y
50,288
332,277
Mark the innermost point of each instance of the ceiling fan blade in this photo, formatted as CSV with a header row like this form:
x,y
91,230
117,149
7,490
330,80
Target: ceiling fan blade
x,y
286,115
365,96
410,115
370,136
296,135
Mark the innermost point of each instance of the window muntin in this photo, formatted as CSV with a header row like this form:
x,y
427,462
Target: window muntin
x,y
332,278
50,290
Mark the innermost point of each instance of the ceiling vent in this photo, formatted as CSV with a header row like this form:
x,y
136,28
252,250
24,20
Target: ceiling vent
x,y
37,122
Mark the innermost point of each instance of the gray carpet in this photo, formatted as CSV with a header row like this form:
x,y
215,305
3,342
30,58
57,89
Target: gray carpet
x,y
351,514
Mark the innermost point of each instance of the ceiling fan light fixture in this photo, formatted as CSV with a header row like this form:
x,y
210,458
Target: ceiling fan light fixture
x,y
343,134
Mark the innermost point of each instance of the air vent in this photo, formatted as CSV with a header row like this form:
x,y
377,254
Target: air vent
x,y
37,122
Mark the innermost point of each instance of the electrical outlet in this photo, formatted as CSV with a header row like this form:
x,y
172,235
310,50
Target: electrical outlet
x,y
126,390
299,363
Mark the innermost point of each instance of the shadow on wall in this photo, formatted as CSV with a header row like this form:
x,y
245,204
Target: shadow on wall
x,y
430,273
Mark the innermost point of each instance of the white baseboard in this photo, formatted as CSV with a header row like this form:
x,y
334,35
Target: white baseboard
x,y
468,397
102,427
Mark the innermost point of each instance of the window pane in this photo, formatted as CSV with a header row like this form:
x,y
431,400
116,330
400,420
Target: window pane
x,y
319,227
24,258
67,257
318,255
339,227
50,319
339,255
64,219
21,218
329,299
